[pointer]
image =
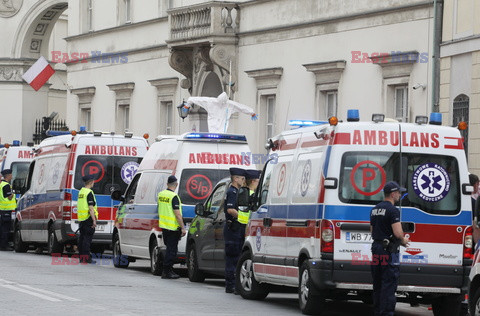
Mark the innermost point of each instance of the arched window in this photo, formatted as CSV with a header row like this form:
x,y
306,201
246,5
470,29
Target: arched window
x,y
460,113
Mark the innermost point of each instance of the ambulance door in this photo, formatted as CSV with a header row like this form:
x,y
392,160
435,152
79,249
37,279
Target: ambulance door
x,y
38,220
25,205
274,224
127,219
303,211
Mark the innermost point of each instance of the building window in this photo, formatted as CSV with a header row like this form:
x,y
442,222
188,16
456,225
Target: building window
x,y
166,118
461,108
128,11
269,114
401,103
331,103
163,6
86,118
123,117
90,15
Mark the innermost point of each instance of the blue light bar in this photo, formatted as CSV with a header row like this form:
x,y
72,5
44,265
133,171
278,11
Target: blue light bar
x,y
57,133
83,129
16,143
303,123
353,116
436,118
215,136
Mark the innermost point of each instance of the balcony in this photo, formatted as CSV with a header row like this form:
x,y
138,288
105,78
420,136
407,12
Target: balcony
x,y
210,22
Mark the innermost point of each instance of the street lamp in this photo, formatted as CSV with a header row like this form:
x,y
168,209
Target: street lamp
x,y
183,112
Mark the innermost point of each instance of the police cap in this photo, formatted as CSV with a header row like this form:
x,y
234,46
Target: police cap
x,y
252,174
88,177
237,172
392,186
171,179
6,171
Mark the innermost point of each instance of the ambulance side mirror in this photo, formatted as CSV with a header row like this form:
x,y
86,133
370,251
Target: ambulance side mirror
x,y
200,210
243,197
467,189
117,196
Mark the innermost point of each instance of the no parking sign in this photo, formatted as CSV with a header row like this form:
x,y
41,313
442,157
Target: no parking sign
x,y
368,177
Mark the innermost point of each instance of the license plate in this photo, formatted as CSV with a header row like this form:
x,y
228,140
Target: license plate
x,y
100,227
358,237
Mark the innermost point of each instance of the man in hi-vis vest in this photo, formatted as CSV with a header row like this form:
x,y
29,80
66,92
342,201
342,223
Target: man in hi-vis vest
x,y
171,222
87,217
8,203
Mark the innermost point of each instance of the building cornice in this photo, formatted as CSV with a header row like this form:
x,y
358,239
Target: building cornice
x,y
115,28
364,14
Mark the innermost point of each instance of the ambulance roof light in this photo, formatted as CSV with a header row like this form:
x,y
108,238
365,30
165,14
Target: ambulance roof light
x,y
16,143
128,134
378,118
97,133
353,116
436,118
215,136
421,119
462,125
333,120
83,130
304,123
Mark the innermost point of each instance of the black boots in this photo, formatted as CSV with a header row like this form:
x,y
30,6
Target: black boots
x,y
169,275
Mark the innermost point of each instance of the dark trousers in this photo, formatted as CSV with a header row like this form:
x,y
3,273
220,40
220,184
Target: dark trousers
x,y
5,223
385,273
85,239
170,239
233,248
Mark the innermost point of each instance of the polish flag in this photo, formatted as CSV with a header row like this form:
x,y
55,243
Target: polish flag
x,y
39,73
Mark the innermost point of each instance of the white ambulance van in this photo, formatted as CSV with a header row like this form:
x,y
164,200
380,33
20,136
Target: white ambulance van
x,y
311,227
47,212
199,161
17,158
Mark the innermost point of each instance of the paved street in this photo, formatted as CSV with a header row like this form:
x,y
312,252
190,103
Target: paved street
x,y
31,285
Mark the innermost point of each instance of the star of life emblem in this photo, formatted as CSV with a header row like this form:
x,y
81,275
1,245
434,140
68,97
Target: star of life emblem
x,y
431,182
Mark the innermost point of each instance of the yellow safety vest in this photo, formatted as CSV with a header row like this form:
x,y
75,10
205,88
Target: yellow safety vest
x,y
166,216
5,203
244,216
83,211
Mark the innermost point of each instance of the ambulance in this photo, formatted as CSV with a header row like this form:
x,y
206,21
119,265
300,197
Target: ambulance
x,y
311,225
47,211
17,158
199,161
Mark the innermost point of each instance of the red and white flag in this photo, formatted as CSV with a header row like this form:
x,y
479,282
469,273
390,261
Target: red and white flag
x,y
39,73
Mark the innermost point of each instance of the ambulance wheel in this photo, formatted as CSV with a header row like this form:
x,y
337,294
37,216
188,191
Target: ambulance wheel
x,y
447,305
119,260
54,247
194,273
18,244
156,261
245,281
310,303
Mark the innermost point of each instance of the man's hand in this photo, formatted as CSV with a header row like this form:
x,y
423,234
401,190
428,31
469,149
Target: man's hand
x,y
94,224
405,242
184,231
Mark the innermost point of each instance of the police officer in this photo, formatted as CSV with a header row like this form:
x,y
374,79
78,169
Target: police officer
x,y
87,216
252,178
232,231
387,234
8,204
171,222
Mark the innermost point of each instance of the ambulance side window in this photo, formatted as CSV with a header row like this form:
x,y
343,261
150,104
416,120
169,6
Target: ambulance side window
x,y
266,182
132,189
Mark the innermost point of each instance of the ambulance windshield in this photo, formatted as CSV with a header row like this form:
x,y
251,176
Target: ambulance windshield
x,y
431,181
19,171
111,172
197,184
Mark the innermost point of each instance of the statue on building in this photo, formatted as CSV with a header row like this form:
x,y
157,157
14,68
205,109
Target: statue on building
x,y
219,111
6,6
